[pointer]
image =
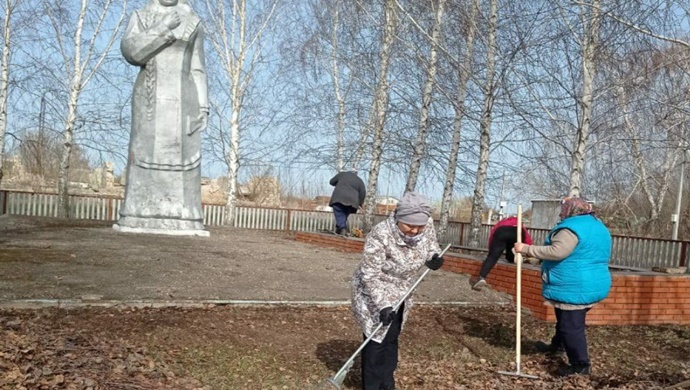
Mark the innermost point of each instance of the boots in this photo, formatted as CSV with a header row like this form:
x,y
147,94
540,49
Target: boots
x,y
575,369
342,232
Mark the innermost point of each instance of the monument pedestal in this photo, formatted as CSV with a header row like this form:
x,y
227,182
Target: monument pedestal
x,y
165,226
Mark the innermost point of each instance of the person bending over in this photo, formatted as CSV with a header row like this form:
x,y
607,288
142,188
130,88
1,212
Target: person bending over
x,y
394,251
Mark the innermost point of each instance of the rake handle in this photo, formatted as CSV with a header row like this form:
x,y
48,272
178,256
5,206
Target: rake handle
x,y
518,293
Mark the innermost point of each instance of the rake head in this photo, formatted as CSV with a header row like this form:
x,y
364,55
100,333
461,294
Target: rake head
x,y
337,380
518,374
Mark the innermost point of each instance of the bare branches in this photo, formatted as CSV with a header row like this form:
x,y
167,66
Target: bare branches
x,y
633,26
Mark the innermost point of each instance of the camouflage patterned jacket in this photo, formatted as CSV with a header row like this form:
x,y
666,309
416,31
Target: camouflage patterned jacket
x,y
390,265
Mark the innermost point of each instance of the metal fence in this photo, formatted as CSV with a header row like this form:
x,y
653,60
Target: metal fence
x,y
627,251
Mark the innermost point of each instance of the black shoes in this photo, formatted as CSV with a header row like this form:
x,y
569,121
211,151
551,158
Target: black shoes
x,y
548,349
575,369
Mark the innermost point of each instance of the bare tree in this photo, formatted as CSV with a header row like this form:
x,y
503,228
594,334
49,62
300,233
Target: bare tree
x,y
237,40
88,55
464,71
485,127
380,108
420,143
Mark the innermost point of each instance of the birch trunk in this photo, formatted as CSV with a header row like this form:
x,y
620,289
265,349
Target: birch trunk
x,y
4,79
68,132
233,159
591,41
485,130
340,120
463,79
67,136
379,109
420,143
235,66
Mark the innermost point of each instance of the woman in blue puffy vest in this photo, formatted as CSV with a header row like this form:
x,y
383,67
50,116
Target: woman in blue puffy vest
x,y
575,276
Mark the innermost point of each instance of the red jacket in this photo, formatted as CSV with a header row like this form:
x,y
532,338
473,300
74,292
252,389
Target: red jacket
x,y
510,221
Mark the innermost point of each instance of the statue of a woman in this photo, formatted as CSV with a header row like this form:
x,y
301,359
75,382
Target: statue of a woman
x,y
169,110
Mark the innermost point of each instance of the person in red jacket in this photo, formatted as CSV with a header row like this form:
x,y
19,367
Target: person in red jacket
x,y
502,238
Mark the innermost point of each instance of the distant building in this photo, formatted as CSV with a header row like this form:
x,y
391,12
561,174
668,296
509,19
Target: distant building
x,y
385,204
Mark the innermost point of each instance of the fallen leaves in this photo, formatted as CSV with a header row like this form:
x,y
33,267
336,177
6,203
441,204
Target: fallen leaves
x,y
293,348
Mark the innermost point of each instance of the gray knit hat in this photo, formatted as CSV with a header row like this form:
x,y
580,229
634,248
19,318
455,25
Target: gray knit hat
x,y
413,209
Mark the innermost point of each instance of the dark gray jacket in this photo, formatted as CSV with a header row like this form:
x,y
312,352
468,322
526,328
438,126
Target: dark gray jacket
x,y
349,190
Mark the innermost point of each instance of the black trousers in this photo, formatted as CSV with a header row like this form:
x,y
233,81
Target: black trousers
x,y
503,240
342,213
570,333
379,360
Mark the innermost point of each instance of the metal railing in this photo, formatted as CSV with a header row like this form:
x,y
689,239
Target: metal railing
x,y
627,251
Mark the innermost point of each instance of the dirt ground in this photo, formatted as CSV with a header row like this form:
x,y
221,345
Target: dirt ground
x,y
296,348
44,258
252,348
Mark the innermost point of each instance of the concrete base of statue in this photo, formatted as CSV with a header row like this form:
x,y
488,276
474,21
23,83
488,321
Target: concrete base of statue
x,y
164,226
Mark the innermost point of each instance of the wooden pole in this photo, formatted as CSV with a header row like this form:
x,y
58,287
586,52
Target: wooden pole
x,y
518,293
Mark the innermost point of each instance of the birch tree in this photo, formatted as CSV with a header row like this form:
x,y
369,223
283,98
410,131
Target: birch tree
x,y
591,20
88,53
464,73
420,143
9,7
485,128
340,95
379,108
237,40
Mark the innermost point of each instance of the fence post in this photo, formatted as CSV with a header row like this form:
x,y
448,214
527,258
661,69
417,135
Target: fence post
x,y
462,234
683,254
109,210
3,206
287,220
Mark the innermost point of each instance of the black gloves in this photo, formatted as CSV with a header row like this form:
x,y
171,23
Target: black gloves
x,y
435,262
386,315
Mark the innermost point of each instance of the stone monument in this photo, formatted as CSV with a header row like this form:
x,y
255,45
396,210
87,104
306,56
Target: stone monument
x,y
169,110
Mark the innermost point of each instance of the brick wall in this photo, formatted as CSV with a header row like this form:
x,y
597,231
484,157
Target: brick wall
x,y
331,241
634,298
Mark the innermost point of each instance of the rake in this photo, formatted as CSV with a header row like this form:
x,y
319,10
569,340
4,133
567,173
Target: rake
x,y
518,299
336,381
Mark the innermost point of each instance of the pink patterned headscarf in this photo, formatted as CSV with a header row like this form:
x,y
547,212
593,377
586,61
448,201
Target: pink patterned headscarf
x,y
574,206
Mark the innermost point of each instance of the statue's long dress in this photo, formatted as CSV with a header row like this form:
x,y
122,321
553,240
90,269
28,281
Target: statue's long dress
x,y
163,190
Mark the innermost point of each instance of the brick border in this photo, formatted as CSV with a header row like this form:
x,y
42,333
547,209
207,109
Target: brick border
x,y
634,299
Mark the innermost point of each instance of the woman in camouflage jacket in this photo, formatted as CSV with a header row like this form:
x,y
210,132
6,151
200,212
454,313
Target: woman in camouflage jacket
x,y
394,251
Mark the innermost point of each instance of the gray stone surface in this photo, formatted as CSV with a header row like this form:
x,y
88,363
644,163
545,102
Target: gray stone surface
x,y
169,111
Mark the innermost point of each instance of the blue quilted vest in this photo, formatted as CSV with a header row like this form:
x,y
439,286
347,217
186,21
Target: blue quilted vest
x,y
583,277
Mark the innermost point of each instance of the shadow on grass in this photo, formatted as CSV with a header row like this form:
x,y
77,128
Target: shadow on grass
x,y
496,334
334,353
